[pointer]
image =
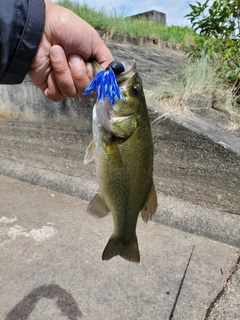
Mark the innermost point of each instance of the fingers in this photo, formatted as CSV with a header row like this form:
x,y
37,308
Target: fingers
x,y
52,91
61,79
70,77
81,75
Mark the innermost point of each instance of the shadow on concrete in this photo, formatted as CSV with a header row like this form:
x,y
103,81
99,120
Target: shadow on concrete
x,y
66,303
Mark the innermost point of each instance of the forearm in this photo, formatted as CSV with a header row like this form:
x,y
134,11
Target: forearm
x,y
21,27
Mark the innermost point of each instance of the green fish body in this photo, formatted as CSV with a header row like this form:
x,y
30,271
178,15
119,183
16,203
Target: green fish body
x,y
123,151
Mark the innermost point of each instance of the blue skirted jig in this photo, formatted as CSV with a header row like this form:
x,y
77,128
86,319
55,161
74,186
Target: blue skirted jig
x,y
105,84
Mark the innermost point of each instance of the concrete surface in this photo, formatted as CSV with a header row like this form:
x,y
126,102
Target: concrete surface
x,y
51,267
197,161
227,305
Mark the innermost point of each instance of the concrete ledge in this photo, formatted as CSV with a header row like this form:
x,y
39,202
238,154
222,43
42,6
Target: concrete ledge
x,y
75,186
213,224
109,36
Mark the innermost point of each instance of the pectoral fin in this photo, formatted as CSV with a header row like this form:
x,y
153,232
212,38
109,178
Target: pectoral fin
x,y
97,207
150,206
90,153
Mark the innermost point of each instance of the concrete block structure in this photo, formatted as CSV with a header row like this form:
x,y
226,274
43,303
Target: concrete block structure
x,y
153,15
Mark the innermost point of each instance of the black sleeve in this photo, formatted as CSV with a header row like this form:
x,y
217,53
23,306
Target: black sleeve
x,y
21,27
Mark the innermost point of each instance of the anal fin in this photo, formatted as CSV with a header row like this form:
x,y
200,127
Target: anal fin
x,y
150,206
98,207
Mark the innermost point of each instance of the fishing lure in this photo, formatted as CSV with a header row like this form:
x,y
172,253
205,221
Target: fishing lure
x,y
105,83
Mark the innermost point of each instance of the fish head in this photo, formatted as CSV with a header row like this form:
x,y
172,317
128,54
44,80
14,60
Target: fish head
x,y
130,85
120,118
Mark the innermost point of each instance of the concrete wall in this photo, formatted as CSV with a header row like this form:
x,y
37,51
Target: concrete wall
x,y
153,16
26,103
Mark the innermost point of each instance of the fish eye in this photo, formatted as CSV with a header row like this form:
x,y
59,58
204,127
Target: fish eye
x,y
136,89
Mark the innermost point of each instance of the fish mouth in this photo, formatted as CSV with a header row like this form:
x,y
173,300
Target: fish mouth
x,y
130,70
107,114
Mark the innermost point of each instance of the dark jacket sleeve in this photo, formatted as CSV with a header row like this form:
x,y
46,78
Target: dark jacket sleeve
x,y
21,27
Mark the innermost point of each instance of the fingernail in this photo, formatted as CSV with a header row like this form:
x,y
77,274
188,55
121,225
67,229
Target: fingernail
x,y
57,53
74,60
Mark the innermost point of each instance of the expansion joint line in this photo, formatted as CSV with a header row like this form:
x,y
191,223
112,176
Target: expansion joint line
x,y
181,284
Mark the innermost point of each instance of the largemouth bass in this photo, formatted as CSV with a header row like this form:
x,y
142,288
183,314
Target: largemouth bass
x,y
123,151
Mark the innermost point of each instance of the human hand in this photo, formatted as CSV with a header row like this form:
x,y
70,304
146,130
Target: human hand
x,y
60,66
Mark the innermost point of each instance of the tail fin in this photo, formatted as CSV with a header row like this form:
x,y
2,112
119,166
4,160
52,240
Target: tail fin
x,y
120,246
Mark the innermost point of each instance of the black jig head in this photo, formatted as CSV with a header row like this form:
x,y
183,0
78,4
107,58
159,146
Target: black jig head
x,y
116,66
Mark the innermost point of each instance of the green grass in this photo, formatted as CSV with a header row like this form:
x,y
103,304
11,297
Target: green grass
x,y
202,83
134,27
